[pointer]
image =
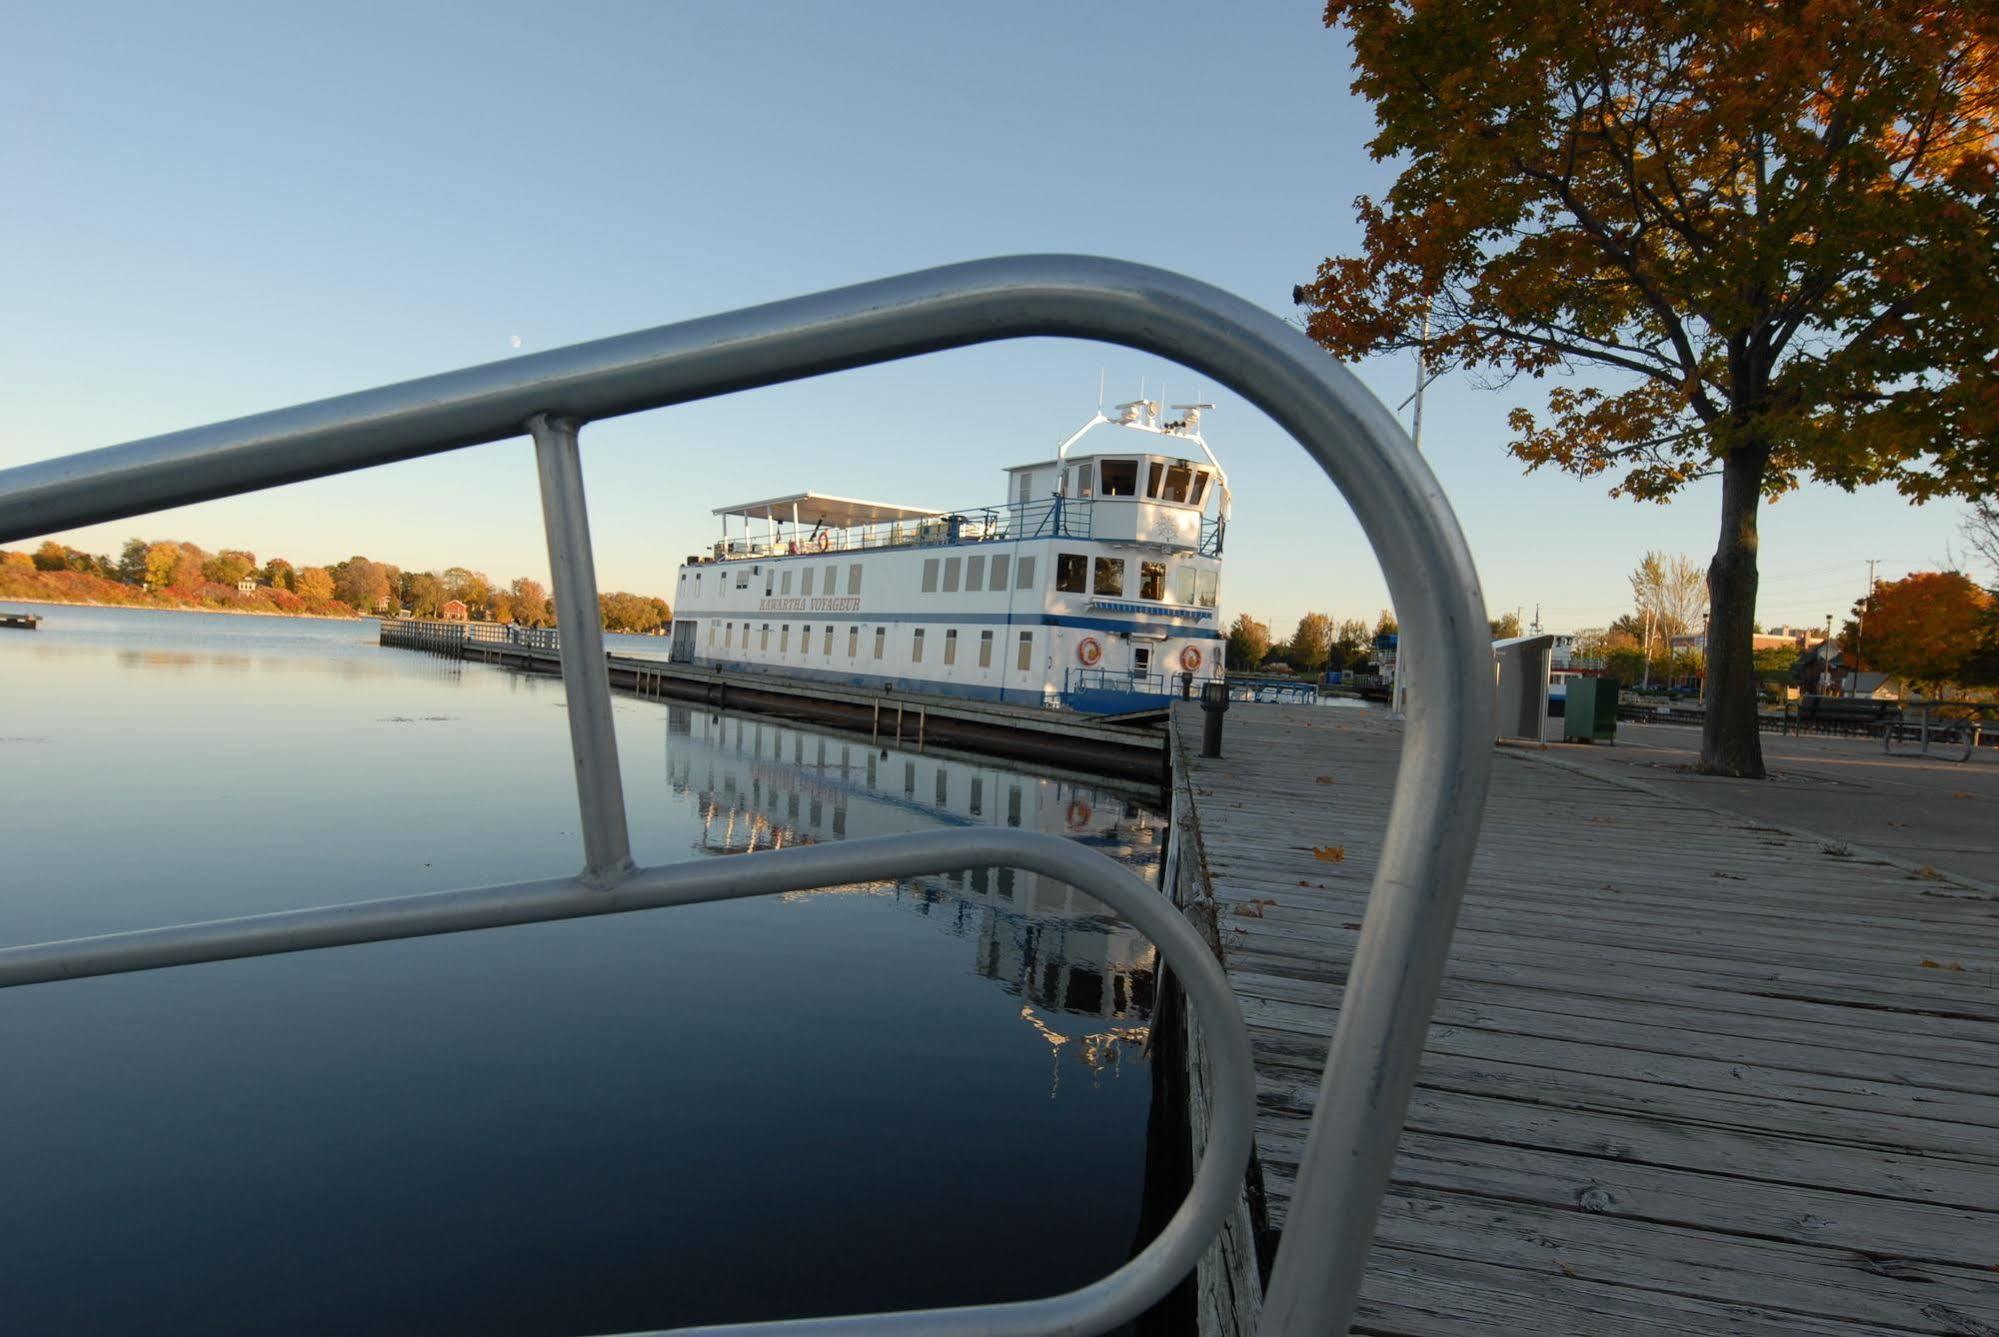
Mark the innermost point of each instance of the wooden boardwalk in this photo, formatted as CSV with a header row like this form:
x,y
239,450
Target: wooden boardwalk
x,y
1688,1074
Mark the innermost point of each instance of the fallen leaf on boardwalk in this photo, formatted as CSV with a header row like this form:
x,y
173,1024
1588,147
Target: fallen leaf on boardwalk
x,y
1732,877
1251,911
1303,883
1351,923
1322,779
1928,872
1330,853
1960,793
1567,1271
1928,964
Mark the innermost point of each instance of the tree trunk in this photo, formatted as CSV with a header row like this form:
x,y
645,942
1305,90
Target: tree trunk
x,y
1731,744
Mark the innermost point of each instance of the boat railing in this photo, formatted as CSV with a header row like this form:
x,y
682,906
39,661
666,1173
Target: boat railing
x,y
1166,684
1439,787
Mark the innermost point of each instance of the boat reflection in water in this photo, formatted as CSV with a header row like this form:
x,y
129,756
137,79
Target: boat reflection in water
x,y
1085,977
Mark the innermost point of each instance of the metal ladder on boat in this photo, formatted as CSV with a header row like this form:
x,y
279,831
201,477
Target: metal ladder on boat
x,y
1439,788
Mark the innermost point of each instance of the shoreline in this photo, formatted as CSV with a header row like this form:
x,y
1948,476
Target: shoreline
x,y
183,608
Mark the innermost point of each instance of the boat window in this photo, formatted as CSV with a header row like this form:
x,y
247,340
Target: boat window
x,y
765,639
1026,651
770,577
1200,491
784,584
1117,478
854,578
951,565
1071,572
1152,580
805,581
1183,584
985,649
711,634
1177,479
743,579
1153,478
999,573
832,581
1205,589
916,646
1110,575
1023,578
881,641
975,573
784,639
930,575
853,642
951,647
728,635
1084,473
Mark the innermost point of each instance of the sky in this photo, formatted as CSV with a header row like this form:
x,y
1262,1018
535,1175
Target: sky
x,y
215,210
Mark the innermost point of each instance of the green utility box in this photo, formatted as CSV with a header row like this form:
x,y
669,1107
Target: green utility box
x,y
1590,716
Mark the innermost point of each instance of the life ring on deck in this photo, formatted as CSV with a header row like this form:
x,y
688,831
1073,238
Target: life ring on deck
x,y
1190,659
1079,813
823,542
1088,651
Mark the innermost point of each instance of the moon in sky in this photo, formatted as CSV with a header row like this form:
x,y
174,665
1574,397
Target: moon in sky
x,y
517,341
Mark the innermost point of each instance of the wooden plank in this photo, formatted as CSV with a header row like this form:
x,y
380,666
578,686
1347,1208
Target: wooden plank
x,y
1740,1101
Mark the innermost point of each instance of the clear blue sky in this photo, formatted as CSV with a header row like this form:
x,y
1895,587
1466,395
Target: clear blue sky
x,y
216,209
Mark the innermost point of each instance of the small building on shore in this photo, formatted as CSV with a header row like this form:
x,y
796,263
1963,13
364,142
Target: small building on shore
x,y
454,610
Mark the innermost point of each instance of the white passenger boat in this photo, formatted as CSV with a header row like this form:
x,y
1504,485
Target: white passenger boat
x,y
1092,587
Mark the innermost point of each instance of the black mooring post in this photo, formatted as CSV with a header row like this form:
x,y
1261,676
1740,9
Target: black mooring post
x,y
1214,705
1186,684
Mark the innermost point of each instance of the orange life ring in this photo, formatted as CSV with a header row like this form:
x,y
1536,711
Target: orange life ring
x,y
1089,651
1079,813
823,542
1190,659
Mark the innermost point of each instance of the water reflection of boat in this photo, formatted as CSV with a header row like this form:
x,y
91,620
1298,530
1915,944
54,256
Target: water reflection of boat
x,y
760,784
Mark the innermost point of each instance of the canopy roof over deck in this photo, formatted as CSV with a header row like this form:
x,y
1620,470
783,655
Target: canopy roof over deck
x,y
815,508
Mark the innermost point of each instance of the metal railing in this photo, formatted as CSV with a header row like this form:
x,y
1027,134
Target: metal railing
x,y
1439,788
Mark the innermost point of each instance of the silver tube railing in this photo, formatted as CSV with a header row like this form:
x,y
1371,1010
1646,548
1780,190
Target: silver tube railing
x,y
1439,788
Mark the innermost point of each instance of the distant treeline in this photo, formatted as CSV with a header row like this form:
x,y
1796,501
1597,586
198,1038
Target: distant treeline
x,y
168,574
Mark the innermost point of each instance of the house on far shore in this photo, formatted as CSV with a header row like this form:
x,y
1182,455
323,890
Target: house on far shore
x,y
247,585
453,611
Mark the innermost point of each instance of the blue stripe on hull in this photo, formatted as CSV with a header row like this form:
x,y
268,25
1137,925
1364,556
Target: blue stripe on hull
x,y
1095,702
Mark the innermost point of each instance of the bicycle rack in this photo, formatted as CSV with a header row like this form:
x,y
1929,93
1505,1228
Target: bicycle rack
x,y
1439,789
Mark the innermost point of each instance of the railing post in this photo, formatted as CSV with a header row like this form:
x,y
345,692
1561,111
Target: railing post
x,y
600,792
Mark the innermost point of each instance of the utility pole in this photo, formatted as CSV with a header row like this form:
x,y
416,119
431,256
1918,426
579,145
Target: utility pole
x,y
1860,627
1400,703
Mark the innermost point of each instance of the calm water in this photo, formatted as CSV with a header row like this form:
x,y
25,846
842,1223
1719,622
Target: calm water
x,y
883,1097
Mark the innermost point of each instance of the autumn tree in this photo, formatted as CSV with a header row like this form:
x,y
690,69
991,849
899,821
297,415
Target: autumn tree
x,y
1311,643
1249,642
229,566
161,561
1353,644
1981,531
531,606
361,584
1925,628
1670,594
313,583
278,573
1771,232
423,593
1505,627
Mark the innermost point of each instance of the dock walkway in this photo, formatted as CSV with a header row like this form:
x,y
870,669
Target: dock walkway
x,y
1689,1073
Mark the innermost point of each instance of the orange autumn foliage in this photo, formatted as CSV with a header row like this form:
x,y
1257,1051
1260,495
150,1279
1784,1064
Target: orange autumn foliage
x,y
1926,628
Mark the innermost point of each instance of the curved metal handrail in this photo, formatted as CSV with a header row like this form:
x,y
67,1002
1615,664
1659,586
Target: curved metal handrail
x,y
1445,764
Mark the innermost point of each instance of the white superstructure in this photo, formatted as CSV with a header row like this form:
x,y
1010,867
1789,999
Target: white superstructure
x,y
1093,585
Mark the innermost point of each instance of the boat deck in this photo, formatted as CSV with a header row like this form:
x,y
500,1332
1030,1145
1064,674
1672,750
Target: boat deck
x,y
1689,1073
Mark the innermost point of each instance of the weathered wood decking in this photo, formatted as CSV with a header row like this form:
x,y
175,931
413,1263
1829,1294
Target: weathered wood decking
x,y
1688,1074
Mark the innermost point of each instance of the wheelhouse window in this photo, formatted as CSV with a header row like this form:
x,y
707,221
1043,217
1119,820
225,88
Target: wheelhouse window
x,y
1183,584
1024,574
1204,589
1199,492
1155,476
916,647
1084,474
1072,572
1152,580
999,573
930,575
1179,478
1117,478
1109,576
